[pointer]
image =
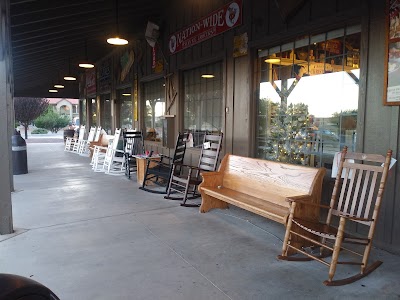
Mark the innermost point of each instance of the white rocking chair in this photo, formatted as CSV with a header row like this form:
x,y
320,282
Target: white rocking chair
x,y
99,157
78,141
93,135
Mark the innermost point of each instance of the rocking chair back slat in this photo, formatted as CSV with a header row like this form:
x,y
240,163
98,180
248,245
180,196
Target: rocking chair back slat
x,y
97,135
364,190
81,132
372,193
349,194
342,192
91,134
357,191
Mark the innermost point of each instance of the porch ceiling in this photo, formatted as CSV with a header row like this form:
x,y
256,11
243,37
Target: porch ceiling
x,y
47,34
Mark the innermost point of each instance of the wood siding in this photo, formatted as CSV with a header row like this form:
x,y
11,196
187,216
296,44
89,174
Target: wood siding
x,y
378,125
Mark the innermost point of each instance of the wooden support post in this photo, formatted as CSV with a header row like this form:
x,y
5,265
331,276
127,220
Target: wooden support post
x,y
6,120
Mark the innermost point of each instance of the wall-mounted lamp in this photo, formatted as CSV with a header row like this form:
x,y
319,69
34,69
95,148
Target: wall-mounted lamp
x,y
207,76
116,40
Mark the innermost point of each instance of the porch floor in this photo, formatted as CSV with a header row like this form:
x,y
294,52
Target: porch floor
x,y
89,235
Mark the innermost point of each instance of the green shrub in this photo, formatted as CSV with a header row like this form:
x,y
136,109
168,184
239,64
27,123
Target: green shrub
x,y
39,131
52,121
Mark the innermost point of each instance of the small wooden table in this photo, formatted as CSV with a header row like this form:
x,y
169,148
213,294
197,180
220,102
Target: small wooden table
x,y
141,161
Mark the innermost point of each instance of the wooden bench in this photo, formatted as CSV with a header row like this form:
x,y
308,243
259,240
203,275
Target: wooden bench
x,y
262,186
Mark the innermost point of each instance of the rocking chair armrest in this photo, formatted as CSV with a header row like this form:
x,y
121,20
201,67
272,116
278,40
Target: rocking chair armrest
x,y
304,199
119,151
101,147
189,167
159,157
353,218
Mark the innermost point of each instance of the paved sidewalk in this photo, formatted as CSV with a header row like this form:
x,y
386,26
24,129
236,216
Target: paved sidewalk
x,y
92,236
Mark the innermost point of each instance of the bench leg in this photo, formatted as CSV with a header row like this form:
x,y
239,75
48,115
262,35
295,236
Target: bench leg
x,y
208,202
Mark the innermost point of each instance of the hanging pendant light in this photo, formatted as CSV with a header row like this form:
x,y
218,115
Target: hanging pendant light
x,y
86,64
69,77
116,40
58,84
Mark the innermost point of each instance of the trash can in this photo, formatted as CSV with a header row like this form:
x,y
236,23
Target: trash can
x,y
68,133
14,287
19,158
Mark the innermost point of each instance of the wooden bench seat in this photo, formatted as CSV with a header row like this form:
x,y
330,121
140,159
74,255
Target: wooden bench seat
x,y
250,203
262,187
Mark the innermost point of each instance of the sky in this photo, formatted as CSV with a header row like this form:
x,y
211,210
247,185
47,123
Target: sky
x,y
324,94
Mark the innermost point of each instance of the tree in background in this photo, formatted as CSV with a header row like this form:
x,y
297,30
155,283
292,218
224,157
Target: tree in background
x,y
51,120
284,132
28,109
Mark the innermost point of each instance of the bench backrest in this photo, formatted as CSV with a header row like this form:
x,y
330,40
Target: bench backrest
x,y
256,177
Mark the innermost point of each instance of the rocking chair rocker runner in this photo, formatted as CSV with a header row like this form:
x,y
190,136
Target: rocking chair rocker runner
x,y
159,171
188,184
355,198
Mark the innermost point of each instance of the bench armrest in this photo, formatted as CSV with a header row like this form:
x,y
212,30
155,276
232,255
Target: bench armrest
x,y
211,179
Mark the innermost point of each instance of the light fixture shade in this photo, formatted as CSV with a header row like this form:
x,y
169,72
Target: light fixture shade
x,y
117,41
59,86
69,78
86,65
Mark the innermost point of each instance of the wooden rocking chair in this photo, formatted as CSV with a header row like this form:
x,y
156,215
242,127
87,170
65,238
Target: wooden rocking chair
x,y
133,145
188,184
158,171
356,197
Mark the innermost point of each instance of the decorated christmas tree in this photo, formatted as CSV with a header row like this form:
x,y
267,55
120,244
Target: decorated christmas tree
x,y
287,137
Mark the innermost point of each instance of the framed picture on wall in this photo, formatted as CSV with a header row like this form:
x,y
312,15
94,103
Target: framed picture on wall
x,y
392,70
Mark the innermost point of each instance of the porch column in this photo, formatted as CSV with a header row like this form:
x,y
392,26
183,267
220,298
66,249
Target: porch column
x,y
6,121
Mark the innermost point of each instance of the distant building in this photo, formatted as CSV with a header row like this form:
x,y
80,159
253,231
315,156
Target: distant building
x,y
65,106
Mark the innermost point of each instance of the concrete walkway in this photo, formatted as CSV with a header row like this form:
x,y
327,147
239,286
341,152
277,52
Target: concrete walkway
x,y
92,236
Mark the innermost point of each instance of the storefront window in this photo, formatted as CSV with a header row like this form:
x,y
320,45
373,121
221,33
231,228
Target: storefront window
x,y
93,112
105,116
203,101
308,101
124,106
154,93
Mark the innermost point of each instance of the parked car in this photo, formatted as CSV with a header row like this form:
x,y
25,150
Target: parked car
x,y
320,135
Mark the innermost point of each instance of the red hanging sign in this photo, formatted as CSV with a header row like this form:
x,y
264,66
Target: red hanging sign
x,y
217,22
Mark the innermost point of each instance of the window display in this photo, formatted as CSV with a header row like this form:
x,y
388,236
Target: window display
x,y
203,101
154,97
308,98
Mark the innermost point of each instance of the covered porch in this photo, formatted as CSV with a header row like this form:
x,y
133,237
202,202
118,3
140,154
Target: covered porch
x,y
88,235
